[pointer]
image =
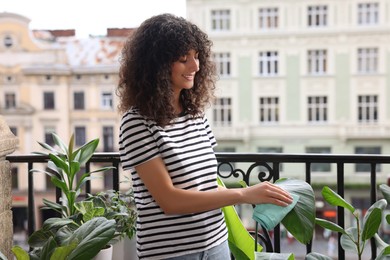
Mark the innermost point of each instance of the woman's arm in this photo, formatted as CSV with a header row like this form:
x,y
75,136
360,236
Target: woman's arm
x,y
173,200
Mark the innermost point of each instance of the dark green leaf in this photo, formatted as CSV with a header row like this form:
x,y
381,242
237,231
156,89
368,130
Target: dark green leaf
x,y
372,223
56,223
300,221
59,183
335,199
60,163
48,248
54,206
74,169
329,225
93,236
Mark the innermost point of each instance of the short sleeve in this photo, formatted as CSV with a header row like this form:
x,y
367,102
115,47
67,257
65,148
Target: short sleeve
x,y
136,142
210,134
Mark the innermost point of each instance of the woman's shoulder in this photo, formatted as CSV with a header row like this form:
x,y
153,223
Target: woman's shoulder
x,y
133,117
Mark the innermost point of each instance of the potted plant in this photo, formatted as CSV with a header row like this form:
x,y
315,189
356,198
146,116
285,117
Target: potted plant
x,y
82,225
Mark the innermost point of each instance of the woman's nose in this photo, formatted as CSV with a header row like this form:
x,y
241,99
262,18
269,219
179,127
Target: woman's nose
x,y
194,64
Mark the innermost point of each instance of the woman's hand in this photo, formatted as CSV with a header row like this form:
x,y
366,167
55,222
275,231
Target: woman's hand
x,y
266,193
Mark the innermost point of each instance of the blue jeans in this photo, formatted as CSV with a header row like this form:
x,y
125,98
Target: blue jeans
x,y
220,252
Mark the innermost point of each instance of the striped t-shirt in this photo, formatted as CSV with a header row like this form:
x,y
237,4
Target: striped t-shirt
x,y
186,147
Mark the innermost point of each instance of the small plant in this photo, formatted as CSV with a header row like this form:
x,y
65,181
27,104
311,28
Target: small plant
x,y
66,164
120,207
355,238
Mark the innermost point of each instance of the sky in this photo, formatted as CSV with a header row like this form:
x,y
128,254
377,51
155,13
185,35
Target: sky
x,y
90,17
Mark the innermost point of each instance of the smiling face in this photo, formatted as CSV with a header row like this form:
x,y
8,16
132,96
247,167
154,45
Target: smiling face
x,y
183,71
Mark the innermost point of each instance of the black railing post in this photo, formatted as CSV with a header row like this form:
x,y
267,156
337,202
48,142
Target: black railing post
x,y
373,200
340,210
31,206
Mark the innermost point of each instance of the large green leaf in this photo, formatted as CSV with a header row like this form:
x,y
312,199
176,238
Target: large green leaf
x,y
93,235
335,199
240,240
300,221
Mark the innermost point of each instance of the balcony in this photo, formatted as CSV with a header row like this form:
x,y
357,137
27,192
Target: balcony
x,y
252,168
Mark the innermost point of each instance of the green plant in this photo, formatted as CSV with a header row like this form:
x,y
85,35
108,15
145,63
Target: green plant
x,y
83,229
61,239
66,164
355,238
118,206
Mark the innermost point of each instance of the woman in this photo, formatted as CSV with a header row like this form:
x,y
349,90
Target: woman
x,y
166,80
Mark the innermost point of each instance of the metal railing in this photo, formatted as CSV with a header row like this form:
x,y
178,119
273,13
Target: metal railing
x,y
262,167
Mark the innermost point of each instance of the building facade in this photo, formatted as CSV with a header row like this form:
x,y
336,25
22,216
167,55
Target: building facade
x,y
53,82
301,77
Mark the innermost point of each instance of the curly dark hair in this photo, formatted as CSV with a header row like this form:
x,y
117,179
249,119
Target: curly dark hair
x,y
146,65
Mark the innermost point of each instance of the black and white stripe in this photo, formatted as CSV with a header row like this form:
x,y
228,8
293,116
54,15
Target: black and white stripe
x,y
186,147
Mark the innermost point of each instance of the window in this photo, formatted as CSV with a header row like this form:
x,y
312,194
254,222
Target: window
x,y
319,167
78,100
48,100
14,130
364,167
8,41
222,62
10,100
316,62
108,139
268,63
220,20
268,18
222,112
368,109
368,13
367,60
317,109
80,135
269,109
317,16
107,102
48,135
